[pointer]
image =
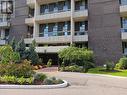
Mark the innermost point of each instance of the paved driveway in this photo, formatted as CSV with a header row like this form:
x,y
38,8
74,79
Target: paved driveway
x,y
81,84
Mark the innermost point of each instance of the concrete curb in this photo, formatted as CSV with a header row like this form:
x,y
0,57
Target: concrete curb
x,y
103,75
63,85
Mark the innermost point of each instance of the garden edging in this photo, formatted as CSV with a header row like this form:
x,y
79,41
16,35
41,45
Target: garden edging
x,y
65,84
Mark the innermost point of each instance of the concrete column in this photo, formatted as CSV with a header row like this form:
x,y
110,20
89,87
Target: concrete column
x,y
37,9
36,30
2,33
36,25
72,20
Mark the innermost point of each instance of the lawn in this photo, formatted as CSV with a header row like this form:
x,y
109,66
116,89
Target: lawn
x,y
100,70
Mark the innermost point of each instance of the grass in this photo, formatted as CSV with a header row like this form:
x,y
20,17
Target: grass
x,y
100,70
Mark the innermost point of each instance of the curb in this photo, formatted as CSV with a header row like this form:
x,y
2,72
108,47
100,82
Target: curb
x,y
63,85
111,76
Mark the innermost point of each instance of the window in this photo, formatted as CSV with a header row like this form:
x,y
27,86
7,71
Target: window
x,y
124,24
44,9
81,5
81,27
123,2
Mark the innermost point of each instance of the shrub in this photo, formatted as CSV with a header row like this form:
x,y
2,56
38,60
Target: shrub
x,y
52,80
49,63
19,70
79,56
21,80
40,77
15,80
47,82
8,79
7,55
59,81
122,64
21,49
110,66
74,68
29,80
87,65
32,54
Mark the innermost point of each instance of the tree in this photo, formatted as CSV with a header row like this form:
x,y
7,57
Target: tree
x,y
13,44
77,56
32,54
21,48
7,55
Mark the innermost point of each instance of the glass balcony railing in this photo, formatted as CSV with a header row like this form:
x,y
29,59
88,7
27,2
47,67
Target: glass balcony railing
x,y
81,8
58,33
123,29
77,33
55,10
61,33
123,2
4,20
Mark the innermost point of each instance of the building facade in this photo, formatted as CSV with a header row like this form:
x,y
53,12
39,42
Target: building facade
x,y
55,24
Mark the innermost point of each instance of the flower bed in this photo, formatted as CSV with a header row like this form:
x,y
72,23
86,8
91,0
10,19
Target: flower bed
x,y
23,74
37,79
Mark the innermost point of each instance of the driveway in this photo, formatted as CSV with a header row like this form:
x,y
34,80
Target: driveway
x,y
81,84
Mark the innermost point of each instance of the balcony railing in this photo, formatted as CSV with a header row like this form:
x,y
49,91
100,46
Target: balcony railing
x,y
77,33
81,8
57,33
123,2
4,20
54,11
123,29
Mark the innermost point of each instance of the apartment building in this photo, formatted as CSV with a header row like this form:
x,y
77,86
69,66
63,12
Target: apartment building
x,y
55,24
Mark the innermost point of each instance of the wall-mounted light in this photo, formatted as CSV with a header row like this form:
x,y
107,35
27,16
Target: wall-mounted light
x,y
7,7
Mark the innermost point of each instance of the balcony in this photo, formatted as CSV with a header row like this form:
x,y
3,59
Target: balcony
x,y
31,3
61,37
81,14
4,24
54,16
47,1
50,49
123,10
124,34
29,21
56,33
50,40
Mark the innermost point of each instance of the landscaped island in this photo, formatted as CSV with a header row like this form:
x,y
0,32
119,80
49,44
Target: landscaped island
x,y
23,74
17,68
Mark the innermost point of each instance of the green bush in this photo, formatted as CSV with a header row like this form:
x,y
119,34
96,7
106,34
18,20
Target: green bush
x,y
32,54
52,80
40,77
74,68
49,63
21,80
79,56
110,66
15,80
48,82
8,79
19,70
122,64
7,55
